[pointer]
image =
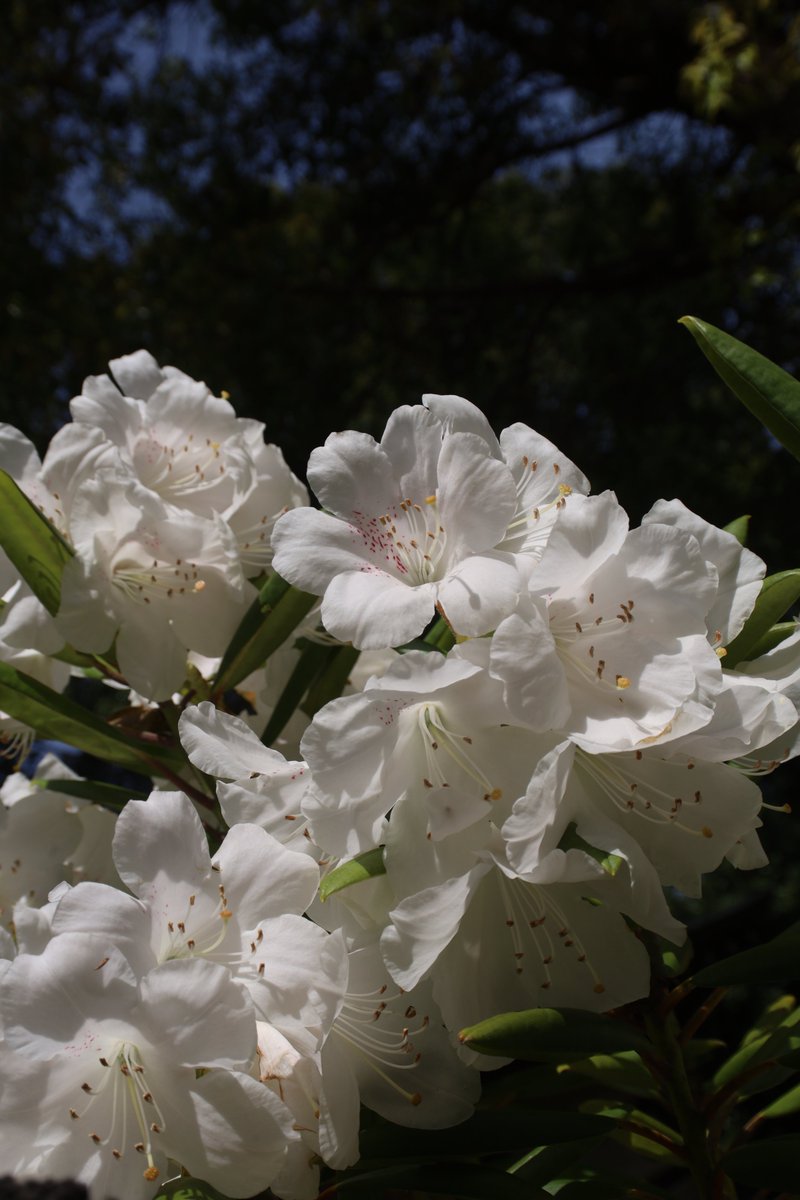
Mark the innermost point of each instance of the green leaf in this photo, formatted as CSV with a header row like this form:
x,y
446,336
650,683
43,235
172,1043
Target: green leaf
x,y
440,635
623,1071
788,1103
332,680
778,594
545,1163
771,1163
775,1034
35,547
552,1035
486,1132
773,637
595,1186
776,961
355,870
272,617
739,529
638,1142
313,658
56,716
771,394
107,795
472,1182
188,1189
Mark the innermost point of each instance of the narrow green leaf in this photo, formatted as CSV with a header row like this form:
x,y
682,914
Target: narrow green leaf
x,y
771,394
332,680
56,716
596,1186
545,1163
772,1163
355,870
775,962
623,1071
788,1103
313,658
778,594
775,1034
272,617
739,528
772,638
107,795
472,1182
35,547
552,1035
639,1142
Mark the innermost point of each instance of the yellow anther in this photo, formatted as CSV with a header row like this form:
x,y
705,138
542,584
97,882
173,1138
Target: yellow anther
x,y
623,681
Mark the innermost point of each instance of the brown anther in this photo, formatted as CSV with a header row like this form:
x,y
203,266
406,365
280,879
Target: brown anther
x,y
86,1087
102,963
103,1062
261,968
410,1012
95,1137
73,1114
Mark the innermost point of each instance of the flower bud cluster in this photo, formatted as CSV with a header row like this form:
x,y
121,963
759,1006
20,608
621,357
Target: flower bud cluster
x,y
539,736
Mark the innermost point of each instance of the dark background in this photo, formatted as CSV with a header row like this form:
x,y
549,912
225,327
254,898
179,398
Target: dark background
x,y
329,208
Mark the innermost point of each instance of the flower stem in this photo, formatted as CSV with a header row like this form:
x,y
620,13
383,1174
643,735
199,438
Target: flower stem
x,y
663,1033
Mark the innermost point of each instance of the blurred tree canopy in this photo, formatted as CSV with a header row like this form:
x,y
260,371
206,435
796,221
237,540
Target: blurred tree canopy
x,y
329,208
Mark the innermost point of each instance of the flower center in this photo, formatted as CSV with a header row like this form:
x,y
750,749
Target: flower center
x,y
368,1023
178,466
409,539
534,916
109,1122
159,581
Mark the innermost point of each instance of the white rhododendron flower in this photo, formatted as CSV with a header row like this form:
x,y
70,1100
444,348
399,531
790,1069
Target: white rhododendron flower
x,y
189,448
610,644
155,582
240,908
410,524
123,1071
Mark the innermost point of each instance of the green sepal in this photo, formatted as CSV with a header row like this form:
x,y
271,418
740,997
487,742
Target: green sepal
x,y
107,795
771,394
552,1035
272,617
776,961
35,547
778,594
768,1164
55,716
739,528
355,870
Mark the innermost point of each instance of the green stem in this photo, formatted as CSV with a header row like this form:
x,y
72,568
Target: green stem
x,y
663,1033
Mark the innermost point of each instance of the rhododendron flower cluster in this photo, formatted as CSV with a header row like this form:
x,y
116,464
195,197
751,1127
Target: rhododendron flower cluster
x,y
533,731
